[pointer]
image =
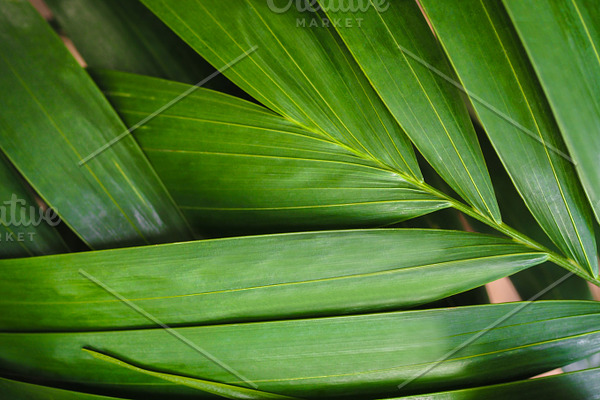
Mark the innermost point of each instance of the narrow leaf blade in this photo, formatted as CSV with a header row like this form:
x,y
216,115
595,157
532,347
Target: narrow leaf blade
x,y
493,66
428,108
54,118
252,278
236,168
563,41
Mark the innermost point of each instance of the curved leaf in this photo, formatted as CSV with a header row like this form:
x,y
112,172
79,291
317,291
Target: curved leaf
x,y
253,278
54,117
316,358
429,109
234,167
493,66
563,41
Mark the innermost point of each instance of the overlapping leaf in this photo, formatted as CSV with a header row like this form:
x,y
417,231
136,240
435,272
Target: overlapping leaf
x,y
253,278
584,385
15,390
316,358
53,116
235,167
429,109
305,75
562,39
493,66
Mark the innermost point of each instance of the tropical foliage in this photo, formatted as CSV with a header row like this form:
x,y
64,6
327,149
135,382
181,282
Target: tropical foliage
x,y
279,199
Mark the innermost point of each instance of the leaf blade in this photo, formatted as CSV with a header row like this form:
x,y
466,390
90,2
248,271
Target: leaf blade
x,y
30,236
250,279
428,108
366,354
571,84
114,199
520,127
305,75
237,168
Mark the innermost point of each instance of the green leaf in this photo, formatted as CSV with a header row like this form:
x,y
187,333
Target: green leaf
x,y
562,39
15,390
491,63
234,167
225,391
584,385
429,109
253,278
530,282
54,117
305,75
23,233
317,358
124,35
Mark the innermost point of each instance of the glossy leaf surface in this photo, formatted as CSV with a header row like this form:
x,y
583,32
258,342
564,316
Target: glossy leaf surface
x,y
54,118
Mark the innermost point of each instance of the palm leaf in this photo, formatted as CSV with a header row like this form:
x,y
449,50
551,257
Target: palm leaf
x,y
55,118
576,386
305,75
493,67
219,389
563,42
124,35
316,358
235,167
253,278
16,390
429,109
31,236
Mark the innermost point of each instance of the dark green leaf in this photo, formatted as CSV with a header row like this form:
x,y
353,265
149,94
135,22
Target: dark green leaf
x,y
124,35
54,117
15,390
24,230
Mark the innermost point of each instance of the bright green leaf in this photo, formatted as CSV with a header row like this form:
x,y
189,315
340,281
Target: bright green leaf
x,y
493,66
563,40
234,167
315,358
253,278
306,75
429,109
